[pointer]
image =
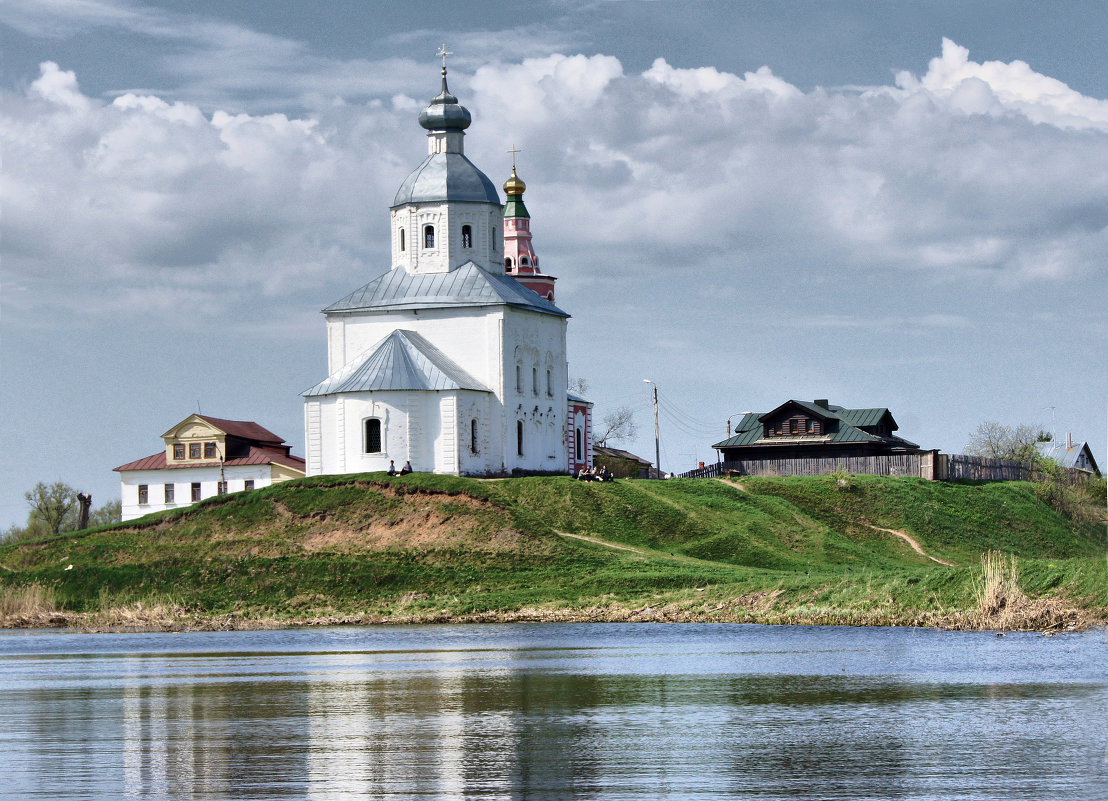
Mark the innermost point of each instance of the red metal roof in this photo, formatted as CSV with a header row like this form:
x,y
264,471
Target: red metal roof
x,y
243,429
256,455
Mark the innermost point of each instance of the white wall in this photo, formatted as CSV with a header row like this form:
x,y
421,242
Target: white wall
x,y
182,479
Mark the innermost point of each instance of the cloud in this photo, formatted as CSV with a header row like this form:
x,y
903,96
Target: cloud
x,y
973,172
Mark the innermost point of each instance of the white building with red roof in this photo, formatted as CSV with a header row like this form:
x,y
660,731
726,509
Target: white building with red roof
x,y
205,456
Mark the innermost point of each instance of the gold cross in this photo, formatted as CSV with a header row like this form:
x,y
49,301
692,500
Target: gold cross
x,y
513,151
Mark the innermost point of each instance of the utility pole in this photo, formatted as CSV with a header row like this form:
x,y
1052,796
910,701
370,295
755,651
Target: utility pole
x,y
657,439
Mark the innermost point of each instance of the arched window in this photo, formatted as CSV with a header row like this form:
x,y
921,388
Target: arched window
x,y
519,379
402,239
428,237
467,236
549,388
578,444
473,435
508,263
534,380
492,238
373,435
522,261
519,437
550,296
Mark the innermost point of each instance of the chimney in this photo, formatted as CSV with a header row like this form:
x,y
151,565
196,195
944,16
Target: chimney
x,y
821,402
1069,440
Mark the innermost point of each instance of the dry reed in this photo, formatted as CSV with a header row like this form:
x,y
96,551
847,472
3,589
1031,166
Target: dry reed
x,y
27,600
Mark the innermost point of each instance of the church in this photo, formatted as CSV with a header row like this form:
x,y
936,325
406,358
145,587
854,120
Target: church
x,y
455,358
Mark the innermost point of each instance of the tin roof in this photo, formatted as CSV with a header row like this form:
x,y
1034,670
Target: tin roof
x,y
1067,456
244,429
446,176
403,360
749,430
468,285
256,455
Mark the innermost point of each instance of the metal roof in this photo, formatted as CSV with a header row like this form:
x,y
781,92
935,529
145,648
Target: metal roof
x,y
749,430
446,176
255,456
403,360
469,285
1067,456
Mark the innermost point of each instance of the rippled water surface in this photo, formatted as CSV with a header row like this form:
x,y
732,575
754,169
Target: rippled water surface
x,y
555,711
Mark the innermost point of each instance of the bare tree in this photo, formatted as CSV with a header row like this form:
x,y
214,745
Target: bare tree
x,y
54,506
998,441
619,425
579,386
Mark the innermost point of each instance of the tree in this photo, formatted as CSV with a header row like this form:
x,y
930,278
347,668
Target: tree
x,y
54,506
111,512
619,425
579,386
998,441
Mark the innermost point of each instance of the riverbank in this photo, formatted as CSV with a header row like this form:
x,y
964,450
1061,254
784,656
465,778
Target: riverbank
x,y
437,549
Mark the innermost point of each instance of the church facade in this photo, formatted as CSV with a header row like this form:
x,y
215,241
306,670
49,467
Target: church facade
x,y
450,360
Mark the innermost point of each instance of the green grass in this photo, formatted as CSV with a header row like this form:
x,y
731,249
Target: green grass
x,y
425,545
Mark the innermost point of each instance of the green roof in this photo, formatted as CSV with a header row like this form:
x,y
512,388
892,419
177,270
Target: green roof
x,y
514,207
846,427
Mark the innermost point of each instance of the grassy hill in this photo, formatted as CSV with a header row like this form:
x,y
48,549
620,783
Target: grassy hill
x,y
424,547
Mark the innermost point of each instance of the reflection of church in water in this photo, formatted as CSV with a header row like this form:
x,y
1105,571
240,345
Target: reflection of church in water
x,y
455,358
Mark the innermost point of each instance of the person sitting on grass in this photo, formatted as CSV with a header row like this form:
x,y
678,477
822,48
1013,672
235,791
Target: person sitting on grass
x,y
407,468
392,468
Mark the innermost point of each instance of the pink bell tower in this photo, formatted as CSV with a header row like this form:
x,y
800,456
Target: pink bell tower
x,y
520,260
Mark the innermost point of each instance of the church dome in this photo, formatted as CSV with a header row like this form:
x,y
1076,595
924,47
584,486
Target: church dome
x,y
514,185
445,113
446,176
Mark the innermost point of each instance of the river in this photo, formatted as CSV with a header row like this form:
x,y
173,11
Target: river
x,y
552,711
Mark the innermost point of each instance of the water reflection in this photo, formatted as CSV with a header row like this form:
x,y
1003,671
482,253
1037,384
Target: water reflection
x,y
653,713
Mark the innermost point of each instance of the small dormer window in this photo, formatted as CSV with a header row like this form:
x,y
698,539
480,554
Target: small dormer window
x,y
209,450
179,451
194,450
467,236
428,237
402,240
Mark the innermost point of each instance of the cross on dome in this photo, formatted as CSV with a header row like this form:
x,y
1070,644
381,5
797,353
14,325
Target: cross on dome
x,y
513,151
444,53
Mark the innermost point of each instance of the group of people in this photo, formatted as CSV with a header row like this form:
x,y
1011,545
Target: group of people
x,y
595,473
403,471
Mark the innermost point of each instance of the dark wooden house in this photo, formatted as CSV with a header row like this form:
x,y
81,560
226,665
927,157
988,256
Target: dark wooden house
x,y
805,429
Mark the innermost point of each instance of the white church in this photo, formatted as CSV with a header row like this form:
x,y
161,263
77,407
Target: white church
x,y
455,358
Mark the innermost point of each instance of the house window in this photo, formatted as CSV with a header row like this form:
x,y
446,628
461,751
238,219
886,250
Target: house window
x,y
402,240
428,237
144,494
519,379
549,389
178,451
467,236
473,436
194,450
534,380
195,491
373,435
578,449
209,450
221,488
248,484
168,493
519,437
811,426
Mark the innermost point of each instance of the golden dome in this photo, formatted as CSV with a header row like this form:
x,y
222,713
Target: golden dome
x,y
514,185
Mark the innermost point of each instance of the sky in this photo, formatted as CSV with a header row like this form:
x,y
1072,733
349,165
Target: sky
x,y
899,205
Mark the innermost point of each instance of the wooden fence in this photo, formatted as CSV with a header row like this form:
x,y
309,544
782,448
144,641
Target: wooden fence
x,y
928,464
920,465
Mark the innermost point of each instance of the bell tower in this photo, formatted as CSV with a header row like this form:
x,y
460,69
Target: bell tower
x,y
520,260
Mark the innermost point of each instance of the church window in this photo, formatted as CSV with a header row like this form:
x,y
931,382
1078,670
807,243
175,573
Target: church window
x,y
373,435
550,296
473,436
522,261
428,237
168,493
194,450
144,494
209,450
467,236
508,263
195,491
519,379
492,238
534,380
549,388
248,484
519,437
401,239
578,449
179,451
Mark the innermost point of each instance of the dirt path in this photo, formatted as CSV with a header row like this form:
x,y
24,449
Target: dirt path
x,y
904,535
606,544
